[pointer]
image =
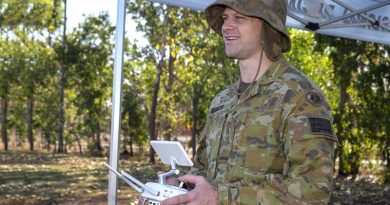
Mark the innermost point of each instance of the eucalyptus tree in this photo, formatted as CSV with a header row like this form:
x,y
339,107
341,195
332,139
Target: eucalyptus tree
x,y
89,75
12,54
373,111
133,121
61,117
361,75
39,67
134,106
189,61
155,22
205,69
7,76
26,22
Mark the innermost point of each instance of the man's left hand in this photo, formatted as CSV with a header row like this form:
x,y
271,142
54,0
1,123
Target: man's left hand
x,y
203,193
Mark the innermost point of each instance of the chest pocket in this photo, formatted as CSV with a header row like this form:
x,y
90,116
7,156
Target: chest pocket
x,y
256,142
213,140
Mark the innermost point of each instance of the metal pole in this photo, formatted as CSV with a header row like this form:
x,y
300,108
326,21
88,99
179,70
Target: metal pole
x,y
116,101
354,13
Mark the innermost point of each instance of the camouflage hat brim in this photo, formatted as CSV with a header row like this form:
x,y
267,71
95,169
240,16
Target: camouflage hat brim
x,y
269,11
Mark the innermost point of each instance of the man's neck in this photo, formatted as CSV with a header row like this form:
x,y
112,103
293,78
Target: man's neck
x,y
248,68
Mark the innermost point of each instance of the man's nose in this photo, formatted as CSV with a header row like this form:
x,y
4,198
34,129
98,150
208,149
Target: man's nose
x,y
227,25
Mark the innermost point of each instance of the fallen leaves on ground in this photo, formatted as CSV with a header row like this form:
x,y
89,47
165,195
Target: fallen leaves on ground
x,y
43,178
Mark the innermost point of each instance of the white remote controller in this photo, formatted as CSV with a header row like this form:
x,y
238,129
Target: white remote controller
x,y
170,152
164,192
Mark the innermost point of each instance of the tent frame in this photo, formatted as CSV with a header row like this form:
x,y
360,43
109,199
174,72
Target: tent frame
x,y
116,101
326,24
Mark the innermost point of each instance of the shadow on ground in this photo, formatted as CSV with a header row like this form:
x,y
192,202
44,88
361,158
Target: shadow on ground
x,y
44,178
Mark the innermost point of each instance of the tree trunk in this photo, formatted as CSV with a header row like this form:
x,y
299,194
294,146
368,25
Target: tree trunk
x,y
4,107
125,134
340,129
47,137
171,66
98,138
131,146
30,108
387,157
79,144
61,117
171,80
195,114
153,110
98,141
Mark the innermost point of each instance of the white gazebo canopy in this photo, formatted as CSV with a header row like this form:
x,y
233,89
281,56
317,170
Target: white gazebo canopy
x,y
365,20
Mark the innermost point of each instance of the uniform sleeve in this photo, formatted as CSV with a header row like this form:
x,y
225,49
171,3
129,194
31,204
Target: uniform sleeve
x,y
200,158
308,147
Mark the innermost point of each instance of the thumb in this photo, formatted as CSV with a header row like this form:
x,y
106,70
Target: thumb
x,y
193,179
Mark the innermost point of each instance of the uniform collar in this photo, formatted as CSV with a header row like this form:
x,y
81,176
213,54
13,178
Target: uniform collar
x,y
273,73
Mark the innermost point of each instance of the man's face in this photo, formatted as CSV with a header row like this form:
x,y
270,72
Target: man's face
x,y
241,34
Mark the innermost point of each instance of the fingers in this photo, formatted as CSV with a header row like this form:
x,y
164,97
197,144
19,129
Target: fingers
x,y
191,179
180,199
141,201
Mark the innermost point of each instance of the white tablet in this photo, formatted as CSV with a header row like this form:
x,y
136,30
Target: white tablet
x,y
168,149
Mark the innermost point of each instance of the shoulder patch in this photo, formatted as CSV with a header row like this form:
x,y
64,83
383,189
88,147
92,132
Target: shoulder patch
x,y
314,98
320,126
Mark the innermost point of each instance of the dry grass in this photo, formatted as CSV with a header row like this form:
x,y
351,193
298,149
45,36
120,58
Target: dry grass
x,y
44,178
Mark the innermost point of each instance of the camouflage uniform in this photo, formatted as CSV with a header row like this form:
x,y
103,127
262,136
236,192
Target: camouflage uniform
x,y
273,144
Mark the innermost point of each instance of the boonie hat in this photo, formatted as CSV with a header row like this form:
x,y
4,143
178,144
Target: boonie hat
x,y
275,39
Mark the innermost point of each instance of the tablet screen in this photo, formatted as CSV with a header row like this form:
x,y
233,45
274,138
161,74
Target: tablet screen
x,y
168,149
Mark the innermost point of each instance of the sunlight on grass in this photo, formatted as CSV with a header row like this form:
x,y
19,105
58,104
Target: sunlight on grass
x,y
41,178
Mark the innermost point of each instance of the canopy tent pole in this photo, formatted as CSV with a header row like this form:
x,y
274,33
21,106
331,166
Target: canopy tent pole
x,y
116,101
350,25
354,13
192,4
370,19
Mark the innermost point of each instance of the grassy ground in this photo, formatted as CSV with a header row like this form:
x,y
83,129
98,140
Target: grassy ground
x,y
42,178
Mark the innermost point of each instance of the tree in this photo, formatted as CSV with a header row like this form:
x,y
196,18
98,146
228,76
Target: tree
x,y
25,21
362,80
179,49
61,117
7,74
89,74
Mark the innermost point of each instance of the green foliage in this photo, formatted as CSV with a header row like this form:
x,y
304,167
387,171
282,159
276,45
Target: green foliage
x,y
89,75
195,66
362,76
35,14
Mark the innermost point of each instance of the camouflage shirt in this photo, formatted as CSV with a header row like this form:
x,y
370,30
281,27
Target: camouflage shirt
x,y
272,144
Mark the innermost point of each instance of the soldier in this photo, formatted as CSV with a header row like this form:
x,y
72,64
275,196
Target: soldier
x,y
268,137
